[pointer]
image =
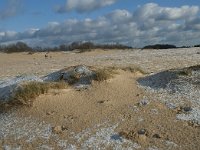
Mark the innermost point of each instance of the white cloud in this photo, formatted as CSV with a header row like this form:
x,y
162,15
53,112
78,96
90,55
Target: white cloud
x,y
82,6
149,24
154,11
2,34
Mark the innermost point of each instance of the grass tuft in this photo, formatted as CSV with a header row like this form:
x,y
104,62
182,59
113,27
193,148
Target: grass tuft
x,y
27,92
104,74
73,79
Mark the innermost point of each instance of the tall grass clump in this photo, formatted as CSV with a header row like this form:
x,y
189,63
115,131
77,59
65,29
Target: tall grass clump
x,y
26,93
104,74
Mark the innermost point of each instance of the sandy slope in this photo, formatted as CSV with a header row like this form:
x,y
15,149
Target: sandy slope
x,y
107,115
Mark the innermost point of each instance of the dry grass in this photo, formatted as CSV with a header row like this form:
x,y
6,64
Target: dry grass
x,y
184,73
27,92
58,85
133,69
3,107
109,72
73,79
104,74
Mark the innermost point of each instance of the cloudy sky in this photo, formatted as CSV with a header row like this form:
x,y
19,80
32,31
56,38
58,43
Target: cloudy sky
x,y
131,22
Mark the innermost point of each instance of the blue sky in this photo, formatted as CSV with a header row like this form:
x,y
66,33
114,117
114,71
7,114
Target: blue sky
x,y
101,21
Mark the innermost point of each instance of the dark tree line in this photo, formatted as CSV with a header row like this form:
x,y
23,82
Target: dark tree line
x,y
166,46
197,45
81,46
18,47
159,46
22,47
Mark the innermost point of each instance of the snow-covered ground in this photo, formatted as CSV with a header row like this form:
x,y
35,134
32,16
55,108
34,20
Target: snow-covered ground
x,y
176,90
101,136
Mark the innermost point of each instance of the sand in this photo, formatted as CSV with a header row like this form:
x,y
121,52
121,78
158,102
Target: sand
x,y
108,115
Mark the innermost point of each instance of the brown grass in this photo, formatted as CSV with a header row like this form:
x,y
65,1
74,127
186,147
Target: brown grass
x,y
27,92
184,73
109,72
133,69
104,74
73,79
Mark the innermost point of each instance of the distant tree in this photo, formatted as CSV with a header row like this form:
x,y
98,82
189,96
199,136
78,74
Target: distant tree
x,y
74,45
62,47
81,46
159,46
38,49
18,47
185,46
197,45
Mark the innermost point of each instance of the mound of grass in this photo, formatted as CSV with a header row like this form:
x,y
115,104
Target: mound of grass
x,y
104,74
109,72
27,92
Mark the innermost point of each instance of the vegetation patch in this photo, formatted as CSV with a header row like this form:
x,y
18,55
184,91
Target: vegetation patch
x,y
104,74
73,79
109,72
26,93
134,69
184,73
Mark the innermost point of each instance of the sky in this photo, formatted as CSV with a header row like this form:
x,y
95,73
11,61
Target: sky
x,y
135,23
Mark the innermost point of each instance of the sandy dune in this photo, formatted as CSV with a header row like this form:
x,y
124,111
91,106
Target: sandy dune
x,y
114,114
